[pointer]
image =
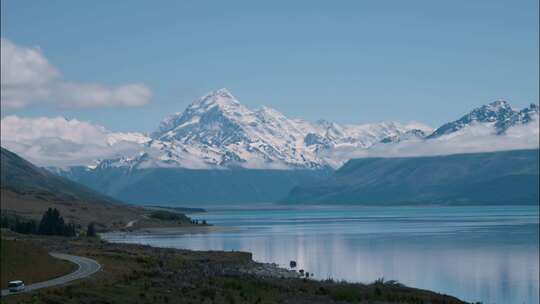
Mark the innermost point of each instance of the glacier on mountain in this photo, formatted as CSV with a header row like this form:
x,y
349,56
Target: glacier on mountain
x,y
217,132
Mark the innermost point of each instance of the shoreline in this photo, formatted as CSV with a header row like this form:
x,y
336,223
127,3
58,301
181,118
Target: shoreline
x,y
203,275
175,230
256,268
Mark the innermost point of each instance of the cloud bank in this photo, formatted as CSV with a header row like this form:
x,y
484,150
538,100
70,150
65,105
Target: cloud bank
x,y
60,142
476,138
27,78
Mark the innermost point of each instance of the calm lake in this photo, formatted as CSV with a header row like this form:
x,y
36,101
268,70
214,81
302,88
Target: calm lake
x,y
487,254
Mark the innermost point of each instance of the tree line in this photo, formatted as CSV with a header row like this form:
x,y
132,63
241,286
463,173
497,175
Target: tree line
x,y
51,223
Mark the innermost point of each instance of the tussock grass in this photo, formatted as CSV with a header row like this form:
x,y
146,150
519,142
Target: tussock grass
x,y
24,260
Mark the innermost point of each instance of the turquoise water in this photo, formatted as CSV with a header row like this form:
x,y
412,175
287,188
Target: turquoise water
x,y
487,254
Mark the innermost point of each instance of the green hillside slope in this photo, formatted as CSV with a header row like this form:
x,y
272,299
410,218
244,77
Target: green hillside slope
x,y
508,177
20,176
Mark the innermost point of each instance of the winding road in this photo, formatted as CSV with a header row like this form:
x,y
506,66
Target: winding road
x,y
86,268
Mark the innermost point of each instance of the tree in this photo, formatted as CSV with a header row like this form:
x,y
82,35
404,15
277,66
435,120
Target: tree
x,y
69,230
53,224
18,224
91,230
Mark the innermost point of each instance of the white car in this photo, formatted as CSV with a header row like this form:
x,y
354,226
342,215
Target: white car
x,y
16,286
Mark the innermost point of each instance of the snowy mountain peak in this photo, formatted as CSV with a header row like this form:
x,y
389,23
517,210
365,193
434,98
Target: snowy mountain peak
x,y
498,113
221,97
167,123
499,109
268,114
216,106
531,109
269,111
497,105
217,131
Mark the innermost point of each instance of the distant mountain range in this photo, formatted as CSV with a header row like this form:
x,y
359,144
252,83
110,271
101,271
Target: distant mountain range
x,y
194,187
217,132
508,177
219,151
499,114
22,177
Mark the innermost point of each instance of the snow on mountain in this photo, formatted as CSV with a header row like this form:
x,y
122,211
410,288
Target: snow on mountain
x,y
489,128
409,135
217,131
498,114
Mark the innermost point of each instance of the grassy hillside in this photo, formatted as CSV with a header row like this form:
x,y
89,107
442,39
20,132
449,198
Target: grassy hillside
x,y
26,261
28,191
480,178
143,274
20,176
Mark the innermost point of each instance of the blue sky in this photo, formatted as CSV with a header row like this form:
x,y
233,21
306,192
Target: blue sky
x,y
344,61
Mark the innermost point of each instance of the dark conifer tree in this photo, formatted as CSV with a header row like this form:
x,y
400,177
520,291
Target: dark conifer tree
x,y
53,224
91,230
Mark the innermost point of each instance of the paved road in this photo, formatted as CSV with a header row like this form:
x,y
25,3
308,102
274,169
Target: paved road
x,y
131,223
86,268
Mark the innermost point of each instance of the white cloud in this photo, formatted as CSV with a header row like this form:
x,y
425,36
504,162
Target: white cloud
x,y
61,142
28,78
476,138
20,129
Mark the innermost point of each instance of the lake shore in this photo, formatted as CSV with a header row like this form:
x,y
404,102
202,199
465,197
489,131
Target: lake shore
x,y
433,248
175,230
183,276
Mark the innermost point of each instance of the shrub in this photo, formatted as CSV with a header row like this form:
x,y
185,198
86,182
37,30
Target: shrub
x,y
19,225
168,216
91,230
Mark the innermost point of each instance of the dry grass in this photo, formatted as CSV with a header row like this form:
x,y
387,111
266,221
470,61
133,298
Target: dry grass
x,y
33,206
24,260
143,274
107,216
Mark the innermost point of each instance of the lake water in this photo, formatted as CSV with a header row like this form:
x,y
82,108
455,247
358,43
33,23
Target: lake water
x,y
487,254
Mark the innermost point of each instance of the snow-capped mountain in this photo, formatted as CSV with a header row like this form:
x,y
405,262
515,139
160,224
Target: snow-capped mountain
x,y
409,135
498,114
217,131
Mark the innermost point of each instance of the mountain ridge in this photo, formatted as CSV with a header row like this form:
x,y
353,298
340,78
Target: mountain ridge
x,y
471,178
21,176
194,187
499,112
219,144
217,131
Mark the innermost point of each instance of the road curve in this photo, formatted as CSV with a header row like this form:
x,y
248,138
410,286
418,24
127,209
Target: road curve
x,y
86,267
